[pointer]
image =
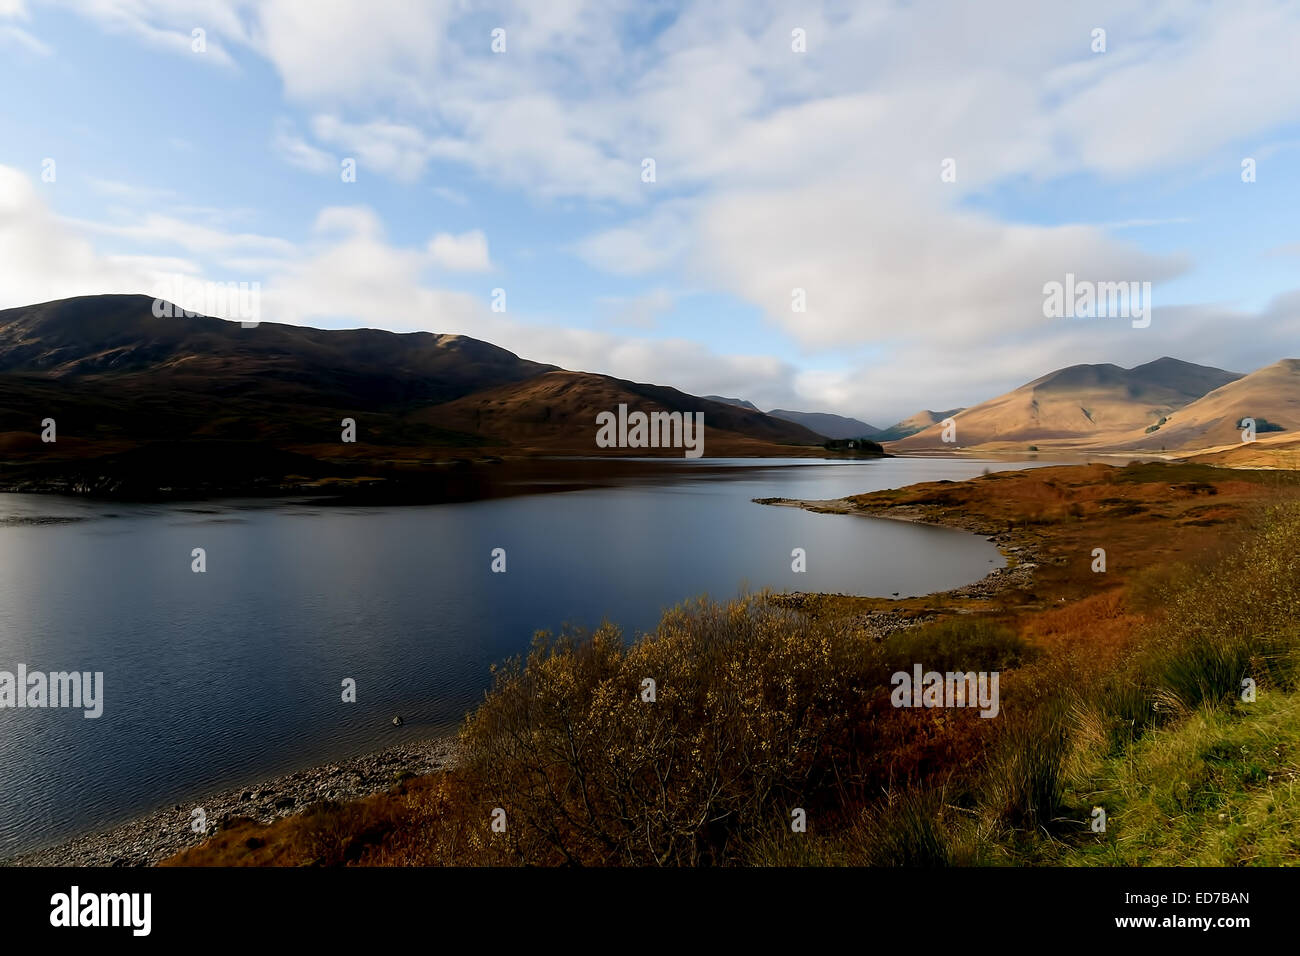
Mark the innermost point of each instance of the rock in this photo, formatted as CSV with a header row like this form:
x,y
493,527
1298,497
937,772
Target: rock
x,y
397,721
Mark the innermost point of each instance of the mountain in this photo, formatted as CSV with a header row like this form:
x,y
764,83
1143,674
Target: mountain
x,y
1082,405
556,411
915,423
117,379
106,369
823,423
94,338
1270,396
738,402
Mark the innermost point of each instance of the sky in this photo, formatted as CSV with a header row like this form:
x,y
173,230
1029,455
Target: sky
x,y
912,174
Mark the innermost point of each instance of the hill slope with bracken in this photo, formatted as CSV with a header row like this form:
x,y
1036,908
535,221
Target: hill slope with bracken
x,y
555,412
1270,396
117,338
1080,405
116,378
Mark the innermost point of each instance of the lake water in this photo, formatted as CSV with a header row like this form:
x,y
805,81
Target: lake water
x,y
233,675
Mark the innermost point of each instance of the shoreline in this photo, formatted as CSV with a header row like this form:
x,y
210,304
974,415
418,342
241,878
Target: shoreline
x,y
147,839
414,481
1016,546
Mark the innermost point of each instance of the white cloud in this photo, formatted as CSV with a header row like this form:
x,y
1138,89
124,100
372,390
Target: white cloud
x,y
638,312
156,229
451,195
16,36
296,151
169,25
393,149
350,274
41,260
464,253
338,51
129,192
654,242
881,268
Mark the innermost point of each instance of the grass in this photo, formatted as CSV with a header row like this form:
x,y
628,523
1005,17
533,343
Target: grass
x,y
1219,788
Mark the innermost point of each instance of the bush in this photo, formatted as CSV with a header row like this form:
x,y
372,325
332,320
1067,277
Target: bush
x,y
961,644
751,718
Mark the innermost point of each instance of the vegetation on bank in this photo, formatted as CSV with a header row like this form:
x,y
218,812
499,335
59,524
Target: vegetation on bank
x,y
863,447
761,710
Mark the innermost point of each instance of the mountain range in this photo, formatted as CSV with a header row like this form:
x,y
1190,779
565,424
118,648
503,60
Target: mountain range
x,y
839,426
1166,407
116,378
124,385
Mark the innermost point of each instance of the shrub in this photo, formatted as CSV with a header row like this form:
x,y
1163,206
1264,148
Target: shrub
x,y
751,718
963,644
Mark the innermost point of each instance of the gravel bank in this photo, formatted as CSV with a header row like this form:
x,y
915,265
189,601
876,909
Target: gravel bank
x,y
148,839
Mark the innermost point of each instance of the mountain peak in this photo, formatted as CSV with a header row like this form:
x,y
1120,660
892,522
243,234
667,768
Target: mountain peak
x,y
1082,403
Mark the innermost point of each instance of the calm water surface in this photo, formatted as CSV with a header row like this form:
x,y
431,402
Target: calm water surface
x,y
226,677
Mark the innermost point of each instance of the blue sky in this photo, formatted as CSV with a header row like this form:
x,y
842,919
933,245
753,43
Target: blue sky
x,y
776,169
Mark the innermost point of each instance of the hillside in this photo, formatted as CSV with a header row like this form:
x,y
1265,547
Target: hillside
x,y
738,402
555,412
1270,395
1082,405
109,371
915,423
117,379
823,423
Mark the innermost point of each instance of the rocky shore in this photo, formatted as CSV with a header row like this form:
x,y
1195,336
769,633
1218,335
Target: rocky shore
x,y
167,831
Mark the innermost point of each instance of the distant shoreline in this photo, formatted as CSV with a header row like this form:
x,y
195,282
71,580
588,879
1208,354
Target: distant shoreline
x,y
423,482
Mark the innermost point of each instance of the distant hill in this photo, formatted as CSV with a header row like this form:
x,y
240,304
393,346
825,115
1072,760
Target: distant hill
x,y
1270,396
117,378
915,423
554,412
823,423
738,402
1080,405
